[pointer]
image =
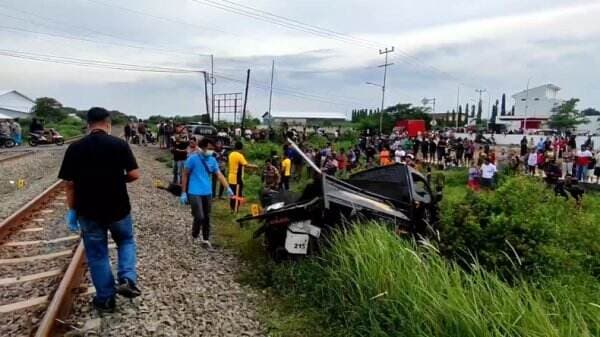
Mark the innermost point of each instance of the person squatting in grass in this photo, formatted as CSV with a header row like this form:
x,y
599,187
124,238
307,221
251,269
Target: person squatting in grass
x,y
197,187
97,169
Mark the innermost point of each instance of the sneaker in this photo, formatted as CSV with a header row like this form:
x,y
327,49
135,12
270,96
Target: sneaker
x,y
206,244
128,289
106,306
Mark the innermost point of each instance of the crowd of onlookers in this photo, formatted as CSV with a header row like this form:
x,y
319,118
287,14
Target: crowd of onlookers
x,y
556,157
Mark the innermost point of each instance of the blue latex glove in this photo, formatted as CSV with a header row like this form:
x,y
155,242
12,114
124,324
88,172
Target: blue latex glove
x,y
183,198
229,192
71,219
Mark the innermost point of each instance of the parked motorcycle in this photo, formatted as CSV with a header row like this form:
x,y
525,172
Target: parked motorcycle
x,y
47,137
6,141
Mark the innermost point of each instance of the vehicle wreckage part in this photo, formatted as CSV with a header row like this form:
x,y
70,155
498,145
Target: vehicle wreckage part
x,y
296,243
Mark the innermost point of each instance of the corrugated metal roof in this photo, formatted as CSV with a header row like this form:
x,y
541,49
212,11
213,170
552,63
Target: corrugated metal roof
x,y
309,114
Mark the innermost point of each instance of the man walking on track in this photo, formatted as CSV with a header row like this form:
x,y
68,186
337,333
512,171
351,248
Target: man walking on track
x,y
197,187
235,175
96,170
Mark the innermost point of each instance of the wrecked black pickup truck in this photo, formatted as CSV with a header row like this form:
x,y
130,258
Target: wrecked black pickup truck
x,y
396,195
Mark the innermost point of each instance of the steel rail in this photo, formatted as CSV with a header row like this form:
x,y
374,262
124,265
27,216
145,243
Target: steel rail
x,y
62,301
15,221
31,151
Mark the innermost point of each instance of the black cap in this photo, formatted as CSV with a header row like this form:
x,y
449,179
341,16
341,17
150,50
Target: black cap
x,y
97,115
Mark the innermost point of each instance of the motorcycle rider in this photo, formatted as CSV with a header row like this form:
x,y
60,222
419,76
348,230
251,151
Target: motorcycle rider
x,y
15,131
4,128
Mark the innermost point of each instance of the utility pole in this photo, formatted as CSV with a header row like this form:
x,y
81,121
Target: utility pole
x,y
385,66
245,101
212,88
206,95
271,91
457,105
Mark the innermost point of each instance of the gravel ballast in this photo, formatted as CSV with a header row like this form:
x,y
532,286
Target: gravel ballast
x,y
38,170
187,290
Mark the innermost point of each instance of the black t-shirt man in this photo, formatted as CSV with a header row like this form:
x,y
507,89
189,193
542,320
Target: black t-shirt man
x,y
97,165
180,149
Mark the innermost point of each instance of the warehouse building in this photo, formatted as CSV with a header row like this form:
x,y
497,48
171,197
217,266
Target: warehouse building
x,y
14,104
299,118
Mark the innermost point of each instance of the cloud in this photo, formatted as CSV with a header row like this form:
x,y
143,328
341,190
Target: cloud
x,y
557,44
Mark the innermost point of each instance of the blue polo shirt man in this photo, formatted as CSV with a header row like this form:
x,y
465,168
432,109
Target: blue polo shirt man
x,y
198,171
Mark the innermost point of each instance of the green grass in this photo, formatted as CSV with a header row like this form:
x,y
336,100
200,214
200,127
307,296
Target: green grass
x,y
69,127
376,284
372,283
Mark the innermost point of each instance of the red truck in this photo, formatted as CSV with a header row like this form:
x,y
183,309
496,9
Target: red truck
x,y
412,126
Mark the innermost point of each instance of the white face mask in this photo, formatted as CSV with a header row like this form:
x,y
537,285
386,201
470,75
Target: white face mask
x,y
209,153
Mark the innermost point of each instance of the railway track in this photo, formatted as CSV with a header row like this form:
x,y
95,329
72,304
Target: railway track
x,y
20,153
42,267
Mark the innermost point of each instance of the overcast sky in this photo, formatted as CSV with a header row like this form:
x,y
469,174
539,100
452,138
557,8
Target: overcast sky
x,y
441,46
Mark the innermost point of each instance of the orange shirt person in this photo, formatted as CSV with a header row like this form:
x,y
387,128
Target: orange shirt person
x,y
385,157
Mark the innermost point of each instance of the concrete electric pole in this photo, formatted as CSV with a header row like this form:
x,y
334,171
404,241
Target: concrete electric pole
x,y
384,66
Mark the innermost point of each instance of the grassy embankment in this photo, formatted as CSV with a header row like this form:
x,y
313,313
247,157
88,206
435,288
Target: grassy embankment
x,y
516,262
68,127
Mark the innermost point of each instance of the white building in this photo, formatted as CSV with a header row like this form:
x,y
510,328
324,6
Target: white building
x,y
15,105
533,107
302,118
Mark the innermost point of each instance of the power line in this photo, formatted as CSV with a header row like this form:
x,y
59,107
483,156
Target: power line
x,y
281,23
162,18
285,92
102,64
317,28
23,30
94,63
293,90
62,23
294,24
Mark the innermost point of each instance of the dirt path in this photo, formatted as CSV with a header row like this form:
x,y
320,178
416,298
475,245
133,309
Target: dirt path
x,y
187,290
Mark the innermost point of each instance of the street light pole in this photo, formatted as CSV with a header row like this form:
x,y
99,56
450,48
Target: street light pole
x,y
212,88
271,91
385,66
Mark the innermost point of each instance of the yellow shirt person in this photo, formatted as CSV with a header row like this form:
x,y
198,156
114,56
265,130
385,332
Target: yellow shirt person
x,y
286,167
235,175
236,163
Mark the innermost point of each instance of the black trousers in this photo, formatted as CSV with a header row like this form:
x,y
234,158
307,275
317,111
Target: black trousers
x,y
285,183
238,190
201,213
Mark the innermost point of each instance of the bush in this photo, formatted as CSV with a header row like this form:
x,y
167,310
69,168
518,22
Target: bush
x,y
522,229
68,127
257,153
371,283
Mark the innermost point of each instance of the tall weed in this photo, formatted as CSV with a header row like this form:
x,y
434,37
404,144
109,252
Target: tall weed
x,y
375,284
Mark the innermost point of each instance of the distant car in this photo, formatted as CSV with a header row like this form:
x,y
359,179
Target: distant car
x,y
546,132
204,130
